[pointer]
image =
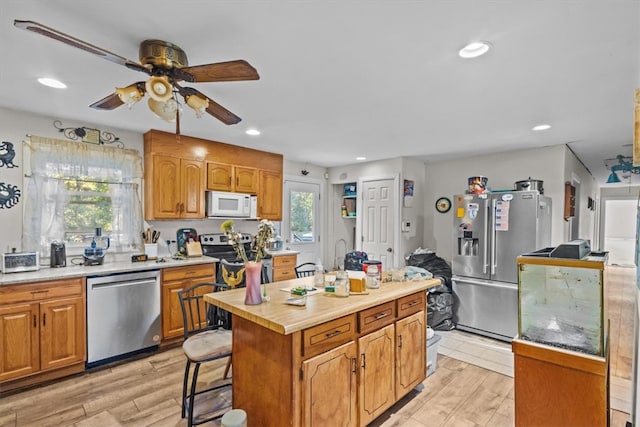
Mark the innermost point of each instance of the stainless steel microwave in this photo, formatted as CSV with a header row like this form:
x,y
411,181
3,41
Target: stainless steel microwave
x,y
222,204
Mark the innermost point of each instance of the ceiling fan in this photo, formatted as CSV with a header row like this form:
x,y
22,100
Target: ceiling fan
x,y
167,66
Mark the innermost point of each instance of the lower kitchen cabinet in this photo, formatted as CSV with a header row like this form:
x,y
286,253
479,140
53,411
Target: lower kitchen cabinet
x,y
376,391
284,267
411,365
329,387
174,280
42,328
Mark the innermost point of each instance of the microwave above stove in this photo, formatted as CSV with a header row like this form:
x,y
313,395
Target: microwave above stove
x,y
221,204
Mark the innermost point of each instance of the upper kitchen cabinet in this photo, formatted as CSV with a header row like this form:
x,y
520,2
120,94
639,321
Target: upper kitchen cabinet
x,y
177,174
224,177
174,188
270,195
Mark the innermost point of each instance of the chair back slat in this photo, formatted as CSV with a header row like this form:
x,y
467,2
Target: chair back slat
x,y
306,269
196,313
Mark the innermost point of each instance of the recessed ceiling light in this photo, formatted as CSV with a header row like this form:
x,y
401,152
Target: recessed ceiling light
x,y
474,49
252,132
541,127
361,158
52,83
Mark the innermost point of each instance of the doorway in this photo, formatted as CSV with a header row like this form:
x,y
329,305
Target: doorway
x,y
620,231
379,210
302,219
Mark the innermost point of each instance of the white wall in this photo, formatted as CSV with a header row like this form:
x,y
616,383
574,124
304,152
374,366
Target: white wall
x,y
549,164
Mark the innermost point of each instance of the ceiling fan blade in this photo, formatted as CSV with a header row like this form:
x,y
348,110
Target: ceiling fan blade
x,y
215,109
77,43
222,72
109,102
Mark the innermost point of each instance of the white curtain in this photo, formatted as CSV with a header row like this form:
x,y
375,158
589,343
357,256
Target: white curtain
x,y
51,161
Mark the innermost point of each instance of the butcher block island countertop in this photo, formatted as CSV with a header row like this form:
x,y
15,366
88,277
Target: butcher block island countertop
x,y
334,361
320,307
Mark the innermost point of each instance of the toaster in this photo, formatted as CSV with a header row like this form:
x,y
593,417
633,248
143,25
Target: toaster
x,y
14,262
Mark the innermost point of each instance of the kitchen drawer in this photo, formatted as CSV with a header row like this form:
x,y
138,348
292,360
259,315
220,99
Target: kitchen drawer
x,y
285,260
189,272
283,274
411,304
321,338
376,317
41,290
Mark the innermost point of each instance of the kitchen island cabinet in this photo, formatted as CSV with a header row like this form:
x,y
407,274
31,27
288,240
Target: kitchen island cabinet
x,y
42,328
289,359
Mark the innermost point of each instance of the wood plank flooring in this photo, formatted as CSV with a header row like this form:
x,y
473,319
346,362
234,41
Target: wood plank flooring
x,y
146,391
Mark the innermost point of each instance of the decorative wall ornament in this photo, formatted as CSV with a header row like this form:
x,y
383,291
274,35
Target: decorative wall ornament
x,y
88,135
7,153
9,195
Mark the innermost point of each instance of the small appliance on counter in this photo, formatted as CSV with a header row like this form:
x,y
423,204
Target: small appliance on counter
x,y
58,255
15,262
184,235
94,255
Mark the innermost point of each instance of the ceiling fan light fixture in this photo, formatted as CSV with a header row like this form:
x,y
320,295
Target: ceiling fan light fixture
x,y
198,104
165,110
613,178
130,94
159,88
474,49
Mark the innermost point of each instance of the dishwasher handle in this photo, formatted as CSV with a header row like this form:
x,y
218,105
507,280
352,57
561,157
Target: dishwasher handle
x,y
96,286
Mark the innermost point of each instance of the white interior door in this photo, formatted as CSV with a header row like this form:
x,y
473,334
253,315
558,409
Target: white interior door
x,y
620,231
301,220
379,200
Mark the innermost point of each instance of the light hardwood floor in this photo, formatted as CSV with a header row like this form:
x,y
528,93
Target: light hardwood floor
x,y
146,392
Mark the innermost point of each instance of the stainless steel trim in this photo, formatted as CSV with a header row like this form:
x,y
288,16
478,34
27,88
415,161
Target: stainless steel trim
x,y
494,262
485,264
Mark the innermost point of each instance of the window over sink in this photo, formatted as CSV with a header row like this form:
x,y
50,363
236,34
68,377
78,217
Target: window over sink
x,y
73,188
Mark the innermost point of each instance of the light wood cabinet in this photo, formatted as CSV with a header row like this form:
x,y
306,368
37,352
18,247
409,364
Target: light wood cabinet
x,y
411,365
240,179
284,267
329,388
343,370
43,325
558,386
376,388
174,280
174,188
270,195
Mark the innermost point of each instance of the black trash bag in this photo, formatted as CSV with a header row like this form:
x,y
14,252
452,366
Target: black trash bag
x,y
440,311
439,298
436,266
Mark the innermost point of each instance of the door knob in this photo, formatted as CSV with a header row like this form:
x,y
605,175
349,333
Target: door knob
x,y
389,250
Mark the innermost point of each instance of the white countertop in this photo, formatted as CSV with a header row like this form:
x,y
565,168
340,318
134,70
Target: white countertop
x,y
283,252
48,273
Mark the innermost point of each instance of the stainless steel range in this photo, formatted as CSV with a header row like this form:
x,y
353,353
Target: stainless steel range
x,y
217,245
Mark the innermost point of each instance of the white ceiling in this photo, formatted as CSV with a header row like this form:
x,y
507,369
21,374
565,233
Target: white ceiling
x,y
346,78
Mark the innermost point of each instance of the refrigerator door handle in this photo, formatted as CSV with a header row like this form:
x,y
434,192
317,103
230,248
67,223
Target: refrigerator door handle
x,y
485,263
494,261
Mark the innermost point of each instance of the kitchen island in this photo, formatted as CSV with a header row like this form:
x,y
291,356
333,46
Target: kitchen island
x,y
333,361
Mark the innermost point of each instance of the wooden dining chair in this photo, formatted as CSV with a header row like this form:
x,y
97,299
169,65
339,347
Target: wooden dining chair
x,y
306,269
204,341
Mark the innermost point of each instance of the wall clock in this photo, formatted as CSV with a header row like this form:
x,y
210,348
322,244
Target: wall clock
x,y
443,204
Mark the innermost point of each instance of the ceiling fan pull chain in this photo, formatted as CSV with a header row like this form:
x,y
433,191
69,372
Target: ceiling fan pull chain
x,y
178,125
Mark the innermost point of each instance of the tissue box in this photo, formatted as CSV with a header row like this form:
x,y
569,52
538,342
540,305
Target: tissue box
x,y
357,281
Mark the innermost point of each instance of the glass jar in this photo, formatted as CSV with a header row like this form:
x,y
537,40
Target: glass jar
x,y
342,284
373,279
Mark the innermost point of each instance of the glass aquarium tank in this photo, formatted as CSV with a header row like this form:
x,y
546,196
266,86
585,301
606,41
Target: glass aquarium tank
x,y
561,302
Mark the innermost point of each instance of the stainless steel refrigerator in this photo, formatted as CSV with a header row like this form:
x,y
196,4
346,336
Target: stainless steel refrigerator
x,y
490,231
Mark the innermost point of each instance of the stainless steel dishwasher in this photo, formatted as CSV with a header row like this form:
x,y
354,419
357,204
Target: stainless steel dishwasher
x,y
123,315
